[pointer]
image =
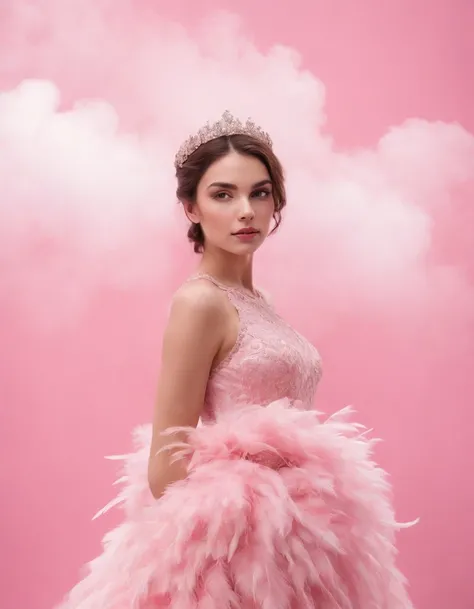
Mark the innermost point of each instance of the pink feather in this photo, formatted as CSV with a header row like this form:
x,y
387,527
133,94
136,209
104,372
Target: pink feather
x,y
280,510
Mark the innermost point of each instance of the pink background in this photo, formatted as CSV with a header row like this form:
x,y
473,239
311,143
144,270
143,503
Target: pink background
x,y
71,394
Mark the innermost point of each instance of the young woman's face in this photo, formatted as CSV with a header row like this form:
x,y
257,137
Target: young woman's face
x,y
234,204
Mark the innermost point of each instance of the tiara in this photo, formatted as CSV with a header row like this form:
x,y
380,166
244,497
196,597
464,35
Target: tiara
x,y
227,125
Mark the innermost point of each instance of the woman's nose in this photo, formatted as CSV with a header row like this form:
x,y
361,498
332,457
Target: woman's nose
x,y
246,210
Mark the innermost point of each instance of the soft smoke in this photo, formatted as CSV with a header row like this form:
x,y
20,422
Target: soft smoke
x,y
86,166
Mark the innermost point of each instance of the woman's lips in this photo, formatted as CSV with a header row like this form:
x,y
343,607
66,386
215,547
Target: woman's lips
x,y
247,235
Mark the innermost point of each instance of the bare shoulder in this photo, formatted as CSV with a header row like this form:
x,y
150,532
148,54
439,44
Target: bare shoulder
x,y
200,297
198,306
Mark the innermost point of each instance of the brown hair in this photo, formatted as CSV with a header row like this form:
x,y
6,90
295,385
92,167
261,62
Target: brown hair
x,y
190,174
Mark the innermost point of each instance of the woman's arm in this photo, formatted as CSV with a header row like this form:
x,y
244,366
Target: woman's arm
x,y
192,339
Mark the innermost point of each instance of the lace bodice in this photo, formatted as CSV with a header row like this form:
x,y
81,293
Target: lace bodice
x,y
269,360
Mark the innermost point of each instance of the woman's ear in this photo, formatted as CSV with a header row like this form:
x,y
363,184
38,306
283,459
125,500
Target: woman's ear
x,y
191,211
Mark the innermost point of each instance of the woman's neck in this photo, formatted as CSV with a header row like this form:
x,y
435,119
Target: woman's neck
x,y
231,270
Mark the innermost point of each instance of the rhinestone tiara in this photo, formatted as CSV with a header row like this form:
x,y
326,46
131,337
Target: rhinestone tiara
x,y
227,125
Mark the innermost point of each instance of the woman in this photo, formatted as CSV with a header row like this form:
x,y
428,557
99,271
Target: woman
x,y
264,505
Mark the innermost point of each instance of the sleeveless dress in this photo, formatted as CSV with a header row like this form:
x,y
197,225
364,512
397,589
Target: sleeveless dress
x,y
281,509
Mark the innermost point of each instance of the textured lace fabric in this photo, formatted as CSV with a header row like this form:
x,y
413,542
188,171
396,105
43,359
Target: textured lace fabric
x,y
269,360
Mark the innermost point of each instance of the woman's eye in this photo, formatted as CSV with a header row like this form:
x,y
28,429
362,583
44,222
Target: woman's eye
x,y
261,194
221,196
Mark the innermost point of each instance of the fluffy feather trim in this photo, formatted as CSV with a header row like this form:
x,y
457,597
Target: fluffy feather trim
x,y
280,510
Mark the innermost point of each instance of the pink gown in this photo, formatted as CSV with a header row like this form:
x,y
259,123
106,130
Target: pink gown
x,y
281,509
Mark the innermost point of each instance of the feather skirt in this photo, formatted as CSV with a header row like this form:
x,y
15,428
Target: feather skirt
x,y
280,510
